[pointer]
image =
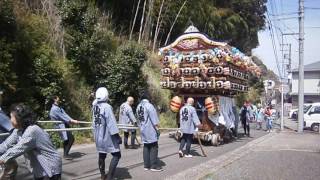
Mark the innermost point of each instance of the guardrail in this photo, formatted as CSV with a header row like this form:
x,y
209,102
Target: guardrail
x,y
120,126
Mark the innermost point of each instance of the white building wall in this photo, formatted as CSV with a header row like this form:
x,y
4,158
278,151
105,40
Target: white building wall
x,y
311,83
310,86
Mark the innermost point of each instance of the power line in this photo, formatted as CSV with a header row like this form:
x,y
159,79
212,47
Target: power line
x,y
284,14
284,18
275,29
274,45
312,8
287,28
313,27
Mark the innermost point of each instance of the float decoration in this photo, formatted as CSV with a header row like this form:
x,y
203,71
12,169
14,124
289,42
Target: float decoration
x,y
212,73
193,63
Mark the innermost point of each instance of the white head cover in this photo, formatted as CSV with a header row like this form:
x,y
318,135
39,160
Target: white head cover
x,y
102,94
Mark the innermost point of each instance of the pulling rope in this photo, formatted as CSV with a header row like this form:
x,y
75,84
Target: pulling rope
x,y
120,126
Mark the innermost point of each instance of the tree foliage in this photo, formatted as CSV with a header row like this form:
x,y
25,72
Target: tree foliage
x,y
125,77
98,55
235,21
27,70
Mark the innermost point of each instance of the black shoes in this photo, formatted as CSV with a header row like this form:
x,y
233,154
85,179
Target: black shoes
x,y
157,169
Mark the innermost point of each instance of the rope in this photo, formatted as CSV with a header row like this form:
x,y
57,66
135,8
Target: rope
x,y
60,122
120,126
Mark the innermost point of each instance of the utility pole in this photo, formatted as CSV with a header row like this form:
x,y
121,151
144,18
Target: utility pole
x,y
289,64
301,67
282,84
282,104
285,72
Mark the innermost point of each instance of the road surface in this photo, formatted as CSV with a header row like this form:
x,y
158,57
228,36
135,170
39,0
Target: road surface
x,y
84,165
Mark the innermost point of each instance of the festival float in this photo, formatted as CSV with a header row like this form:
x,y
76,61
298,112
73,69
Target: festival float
x,y
212,73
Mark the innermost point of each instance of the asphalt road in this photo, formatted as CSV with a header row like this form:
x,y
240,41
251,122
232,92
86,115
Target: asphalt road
x,y
84,165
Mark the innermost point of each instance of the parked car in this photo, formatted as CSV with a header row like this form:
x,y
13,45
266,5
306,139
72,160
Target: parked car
x,y
312,117
293,113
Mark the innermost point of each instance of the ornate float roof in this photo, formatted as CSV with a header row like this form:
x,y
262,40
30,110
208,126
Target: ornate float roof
x,y
192,40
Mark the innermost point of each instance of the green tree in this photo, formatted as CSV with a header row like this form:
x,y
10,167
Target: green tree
x,y
125,77
8,29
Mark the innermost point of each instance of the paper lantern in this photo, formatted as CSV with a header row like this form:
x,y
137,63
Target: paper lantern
x,y
175,104
211,105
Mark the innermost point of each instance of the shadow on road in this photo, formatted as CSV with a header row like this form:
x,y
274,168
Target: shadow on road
x,y
193,152
123,173
76,155
161,163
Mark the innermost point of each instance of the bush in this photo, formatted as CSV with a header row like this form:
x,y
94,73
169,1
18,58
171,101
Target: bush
x,y
124,73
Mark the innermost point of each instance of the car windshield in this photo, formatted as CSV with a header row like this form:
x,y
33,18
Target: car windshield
x,y
306,108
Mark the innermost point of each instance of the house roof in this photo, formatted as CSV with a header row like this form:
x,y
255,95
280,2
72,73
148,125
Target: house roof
x,y
310,67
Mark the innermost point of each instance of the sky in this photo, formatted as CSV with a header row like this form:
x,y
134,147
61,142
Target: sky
x,y
283,15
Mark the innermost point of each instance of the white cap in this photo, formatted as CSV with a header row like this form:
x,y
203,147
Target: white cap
x,y
102,94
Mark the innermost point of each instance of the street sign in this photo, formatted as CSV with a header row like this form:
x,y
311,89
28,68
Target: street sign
x,y
285,88
269,84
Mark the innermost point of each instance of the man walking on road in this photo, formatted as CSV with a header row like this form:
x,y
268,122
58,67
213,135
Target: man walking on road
x,y
149,124
58,114
245,118
188,122
106,133
126,117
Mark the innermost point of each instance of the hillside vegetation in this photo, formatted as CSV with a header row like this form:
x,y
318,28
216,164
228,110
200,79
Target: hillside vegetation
x,y
69,48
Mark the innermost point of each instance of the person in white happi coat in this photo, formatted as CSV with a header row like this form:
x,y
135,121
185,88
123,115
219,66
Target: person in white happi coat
x,y
126,117
106,133
189,121
149,128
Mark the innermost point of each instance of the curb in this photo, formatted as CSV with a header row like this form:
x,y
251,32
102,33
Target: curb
x,y
209,167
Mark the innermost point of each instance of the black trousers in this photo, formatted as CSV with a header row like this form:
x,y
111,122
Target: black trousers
x,y
68,143
126,136
246,126
186,138
113,164
55,177
150,155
